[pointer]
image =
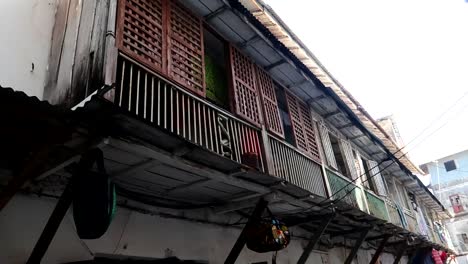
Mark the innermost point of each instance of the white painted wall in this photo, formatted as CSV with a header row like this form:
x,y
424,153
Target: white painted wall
x,y
25,37
133,233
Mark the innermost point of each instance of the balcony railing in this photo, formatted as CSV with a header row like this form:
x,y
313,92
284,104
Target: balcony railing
x,y
343,189
393,214
295,167
376,206
411,221
167,106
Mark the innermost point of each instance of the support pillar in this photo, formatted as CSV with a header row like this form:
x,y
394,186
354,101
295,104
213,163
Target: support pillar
x,y
315,239
242,239
401,251
356,247
379,250
62,206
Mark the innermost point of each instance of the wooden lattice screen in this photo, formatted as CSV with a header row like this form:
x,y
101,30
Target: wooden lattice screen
x,y
141,32
185,48
245,96
164,36
270,104
303,126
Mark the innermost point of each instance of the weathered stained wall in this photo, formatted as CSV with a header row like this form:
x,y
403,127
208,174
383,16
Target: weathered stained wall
x,y
76,61
25,37
133,233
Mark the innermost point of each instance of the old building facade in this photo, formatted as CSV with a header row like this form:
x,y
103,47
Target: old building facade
x,y
201,109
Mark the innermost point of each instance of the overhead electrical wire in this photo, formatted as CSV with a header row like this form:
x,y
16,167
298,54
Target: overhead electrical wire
x,y
395,159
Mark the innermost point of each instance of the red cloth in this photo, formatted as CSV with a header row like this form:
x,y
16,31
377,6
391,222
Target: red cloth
x,y
443,256
436,257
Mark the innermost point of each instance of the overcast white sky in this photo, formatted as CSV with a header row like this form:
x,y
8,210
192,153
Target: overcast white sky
x,y
408,58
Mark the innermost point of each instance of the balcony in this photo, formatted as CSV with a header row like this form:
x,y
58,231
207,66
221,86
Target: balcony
x,y
171,108
412,224
393,214
295,167
344,190
376,206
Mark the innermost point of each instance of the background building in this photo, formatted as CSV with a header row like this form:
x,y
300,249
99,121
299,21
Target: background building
x,y
449,180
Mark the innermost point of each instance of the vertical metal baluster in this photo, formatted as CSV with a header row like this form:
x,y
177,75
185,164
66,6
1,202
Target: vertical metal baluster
x,y
241,140
122,83
152,99
293,161
146,95
189,113
235,138
171,107
165,104
274,152
130,90
285,163
137,104
177,112
210,131
195,130
159,102
204,109
199,125
182,98
300,179
309,175
215,130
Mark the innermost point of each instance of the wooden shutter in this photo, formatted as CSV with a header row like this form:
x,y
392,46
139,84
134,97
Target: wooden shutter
x,y
327,147
245,96
349,157
377,178
141,33
185,48
269,102
303,126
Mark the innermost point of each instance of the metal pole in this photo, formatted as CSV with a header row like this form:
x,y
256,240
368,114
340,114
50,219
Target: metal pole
x,y
242,239
52,225
315,239
379,250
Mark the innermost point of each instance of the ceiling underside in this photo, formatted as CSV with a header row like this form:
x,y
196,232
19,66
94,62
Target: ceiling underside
x,y
238,30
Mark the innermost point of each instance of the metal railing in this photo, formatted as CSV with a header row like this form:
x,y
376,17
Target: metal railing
x,y
393,215
342,187
295,167
163,104
376,206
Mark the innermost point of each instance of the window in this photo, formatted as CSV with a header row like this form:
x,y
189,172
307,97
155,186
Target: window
x,y
464,238
215,68
284,115
456,203
339,157
450,165
369,181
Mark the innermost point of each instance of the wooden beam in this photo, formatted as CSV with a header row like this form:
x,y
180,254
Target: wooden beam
x,y
62,206
274,64
52,226
400,252
242,239
356,247
315,239
333,113
215,13
380,249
